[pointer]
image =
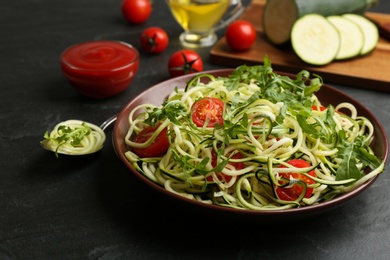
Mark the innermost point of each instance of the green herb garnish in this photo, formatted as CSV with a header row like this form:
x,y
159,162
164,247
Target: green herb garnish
x,y
69,135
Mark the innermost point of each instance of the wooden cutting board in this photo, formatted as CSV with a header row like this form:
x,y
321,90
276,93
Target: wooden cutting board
x,y
371,71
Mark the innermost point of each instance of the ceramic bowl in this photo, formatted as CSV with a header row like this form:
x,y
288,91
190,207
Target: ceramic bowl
x,y
327,95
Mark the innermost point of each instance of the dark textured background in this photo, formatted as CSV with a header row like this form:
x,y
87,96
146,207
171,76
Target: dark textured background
x,y
95,209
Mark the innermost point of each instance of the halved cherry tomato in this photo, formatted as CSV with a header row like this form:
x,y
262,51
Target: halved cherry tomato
x,y
157,148
154,40
209,110
221,176
136,11
292,193
184,62
240,35
318,108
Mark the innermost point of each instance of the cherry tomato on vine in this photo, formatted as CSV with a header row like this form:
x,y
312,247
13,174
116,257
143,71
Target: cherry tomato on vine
x,y
292,193
154,40
240,35
207,110
221,176
184,62
136,11
157,148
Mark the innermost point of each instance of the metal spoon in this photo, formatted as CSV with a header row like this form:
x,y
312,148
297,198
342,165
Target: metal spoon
x,y
46,142
109,121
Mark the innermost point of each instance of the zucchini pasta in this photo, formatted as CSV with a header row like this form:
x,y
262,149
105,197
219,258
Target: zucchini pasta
x,y
253,140
74,137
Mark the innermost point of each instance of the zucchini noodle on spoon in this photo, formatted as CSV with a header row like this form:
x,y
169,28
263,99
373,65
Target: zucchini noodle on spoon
x,y
74,137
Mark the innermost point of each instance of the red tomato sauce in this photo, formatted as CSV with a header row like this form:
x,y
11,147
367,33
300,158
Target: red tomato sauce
x,y
100,68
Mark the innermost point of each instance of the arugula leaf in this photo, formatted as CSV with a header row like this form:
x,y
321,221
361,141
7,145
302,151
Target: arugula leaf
x,y
247,74
351,153
67,134
328,118
347,168
318,127
172,110
306,127
367,158
315,85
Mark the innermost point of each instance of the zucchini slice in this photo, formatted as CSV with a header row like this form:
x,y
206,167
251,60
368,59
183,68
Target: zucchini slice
x,y
369,29
351,36
315,40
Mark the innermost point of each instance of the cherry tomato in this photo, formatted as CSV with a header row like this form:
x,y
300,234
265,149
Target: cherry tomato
x,y
208,109
240,35
319,108
292,193
221,176
136,11
322,108
154,40
185,62
157,148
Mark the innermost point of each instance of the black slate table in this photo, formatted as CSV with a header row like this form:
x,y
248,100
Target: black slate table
x,y
95,209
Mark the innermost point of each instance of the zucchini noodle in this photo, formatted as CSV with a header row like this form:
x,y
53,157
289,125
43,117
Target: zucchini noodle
x,y
269,119
74,137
